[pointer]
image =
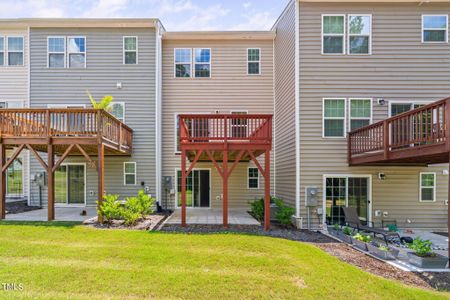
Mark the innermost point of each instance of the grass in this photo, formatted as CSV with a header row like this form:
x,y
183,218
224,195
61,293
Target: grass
x,y
66,261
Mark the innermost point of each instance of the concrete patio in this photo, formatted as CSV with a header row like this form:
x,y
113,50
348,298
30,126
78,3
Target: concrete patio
x,y
61,214
212,216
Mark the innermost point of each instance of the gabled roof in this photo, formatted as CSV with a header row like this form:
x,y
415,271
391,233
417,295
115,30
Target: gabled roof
x,y
80,23
219,35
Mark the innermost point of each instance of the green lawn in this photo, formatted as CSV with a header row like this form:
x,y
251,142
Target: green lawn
x,y
63,260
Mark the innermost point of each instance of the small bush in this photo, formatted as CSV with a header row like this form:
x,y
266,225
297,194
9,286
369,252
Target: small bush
x,y
130,217
284,213
257,209
421,247
362,237
347,230
336,227
110,209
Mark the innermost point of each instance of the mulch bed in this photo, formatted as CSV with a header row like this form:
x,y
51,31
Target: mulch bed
x,y
342,251
19,207
148,223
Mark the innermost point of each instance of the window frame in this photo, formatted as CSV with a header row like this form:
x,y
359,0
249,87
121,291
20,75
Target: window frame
x,y
350,118
411,103
201,63
6,55
182,63
334,118
238,111
421,187
254,61
123,105
64,53
125,173
3,50
334,34
125,51
248,178
423,29
68,52
347,29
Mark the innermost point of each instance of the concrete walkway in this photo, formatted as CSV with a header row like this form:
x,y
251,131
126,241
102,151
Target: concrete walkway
x,y
212,216
61,214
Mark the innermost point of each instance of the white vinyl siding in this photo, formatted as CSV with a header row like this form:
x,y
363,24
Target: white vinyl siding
x,y
360,113
15,48
434,28
334,116
254,61
359,34
129,173
130,50
427,187
333,34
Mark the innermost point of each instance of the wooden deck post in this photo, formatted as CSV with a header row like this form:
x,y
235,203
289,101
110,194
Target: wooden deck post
x,y
51,181
448,213
183,188
267,190
2,182
101,178
225,187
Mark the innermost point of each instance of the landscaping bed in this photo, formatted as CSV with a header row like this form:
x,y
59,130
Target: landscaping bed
x,y
18,207
149,222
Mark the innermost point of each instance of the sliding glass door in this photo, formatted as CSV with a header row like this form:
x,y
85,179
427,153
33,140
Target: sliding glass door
x,y
197,188
70,184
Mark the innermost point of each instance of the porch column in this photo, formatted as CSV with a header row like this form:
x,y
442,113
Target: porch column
x,y
183,188
267,190
101,178
51,182
2,182
225,187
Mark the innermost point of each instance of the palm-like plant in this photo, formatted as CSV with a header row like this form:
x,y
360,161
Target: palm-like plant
x,y
104,103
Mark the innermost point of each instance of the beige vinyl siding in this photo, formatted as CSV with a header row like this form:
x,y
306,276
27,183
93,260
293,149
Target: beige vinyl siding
x,y
14,87
104,68
401,68
229,88
285,106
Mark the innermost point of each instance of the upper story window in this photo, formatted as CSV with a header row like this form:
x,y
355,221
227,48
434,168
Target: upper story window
x,y
76,50
118,110
333,34
202,62
56,47
183,62
15,51
130,50
359,34
254,61
427,187
334,117
2,51
360,113
434,28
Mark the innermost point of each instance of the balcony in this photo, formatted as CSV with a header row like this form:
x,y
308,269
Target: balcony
x,y
416,137
88,127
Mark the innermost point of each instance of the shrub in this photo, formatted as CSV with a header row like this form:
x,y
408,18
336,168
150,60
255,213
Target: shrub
x,y
257,209
362,237
421,247
347,230
130,217
284,213
336,227
142,204
110,208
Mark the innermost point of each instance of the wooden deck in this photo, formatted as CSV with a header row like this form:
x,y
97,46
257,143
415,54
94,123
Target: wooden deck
x,y
417,137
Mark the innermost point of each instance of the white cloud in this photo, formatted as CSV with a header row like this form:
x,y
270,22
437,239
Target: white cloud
x,y
256,21
107,9
247,5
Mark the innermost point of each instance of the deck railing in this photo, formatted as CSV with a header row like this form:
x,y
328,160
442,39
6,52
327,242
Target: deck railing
x,y
424,126
67,122
225,128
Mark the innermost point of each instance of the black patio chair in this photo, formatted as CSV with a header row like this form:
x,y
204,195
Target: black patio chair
x,y
352,220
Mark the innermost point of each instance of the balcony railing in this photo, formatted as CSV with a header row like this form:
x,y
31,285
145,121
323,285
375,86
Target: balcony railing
x,y
417,129
67,122
225,128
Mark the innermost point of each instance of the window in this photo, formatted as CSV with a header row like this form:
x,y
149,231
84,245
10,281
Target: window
x,y
253,178
253,61
359,34
239,125
334,117
183,62
129,173
333,33
202,62
360,113
76,51
14,178
2,51
398,108
118,110
427,187
56,48
434,28
15,51
130,46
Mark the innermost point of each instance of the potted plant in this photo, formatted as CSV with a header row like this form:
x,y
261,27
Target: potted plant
x,y
360,241
424,257
346,235
382,251
334,230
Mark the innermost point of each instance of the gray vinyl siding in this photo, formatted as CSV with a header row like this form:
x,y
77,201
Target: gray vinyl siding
x,y
284,86
401,68
14,87
104,69
229,88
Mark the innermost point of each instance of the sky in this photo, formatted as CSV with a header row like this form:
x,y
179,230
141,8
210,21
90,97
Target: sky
x,y
176,15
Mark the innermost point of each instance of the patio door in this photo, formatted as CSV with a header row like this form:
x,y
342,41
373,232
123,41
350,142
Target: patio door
x,y
197,188
346,191
70,182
